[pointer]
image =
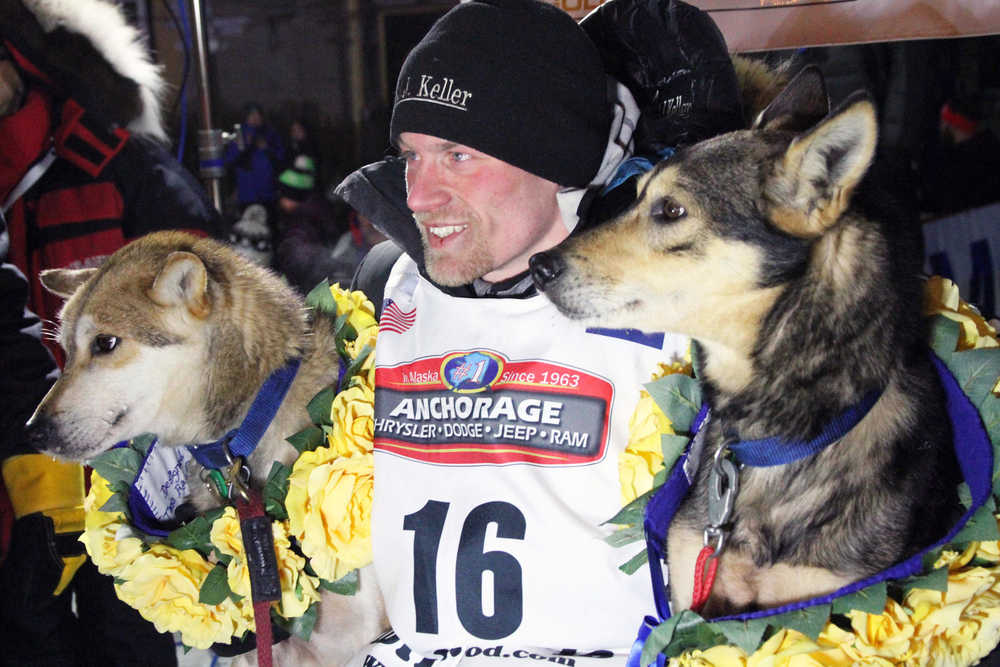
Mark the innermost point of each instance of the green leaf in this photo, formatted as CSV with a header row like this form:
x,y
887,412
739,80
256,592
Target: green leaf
x,y
321,299
977,372
673,446
275,490
935,580
673,632
870,600
343,331
223,559
355,366
307,439
120,488
809,621
996,472
319,406
117,465
944,336
215,588
633,513
302,626
745,634
696,633
634,563
982,526
628,535
965,495
679,396
659,478
697,359
116,503
193,535
658,639
142,443
346,585
213,514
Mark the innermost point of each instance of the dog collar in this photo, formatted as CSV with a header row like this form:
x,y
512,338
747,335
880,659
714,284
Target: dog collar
x,y
240,442
775,451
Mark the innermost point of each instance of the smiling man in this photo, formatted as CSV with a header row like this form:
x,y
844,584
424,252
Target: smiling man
x,y
498,424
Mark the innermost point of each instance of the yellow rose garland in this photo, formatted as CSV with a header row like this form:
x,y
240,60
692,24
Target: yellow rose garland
x,y
956,626
326,510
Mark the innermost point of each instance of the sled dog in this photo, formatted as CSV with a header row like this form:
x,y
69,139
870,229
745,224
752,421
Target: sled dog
x,y
772,250
174,335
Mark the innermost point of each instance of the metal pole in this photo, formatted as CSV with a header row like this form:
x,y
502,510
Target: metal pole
x,y
355,59
210,141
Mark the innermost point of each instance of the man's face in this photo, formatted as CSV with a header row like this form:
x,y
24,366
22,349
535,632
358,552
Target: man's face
x,y
478,216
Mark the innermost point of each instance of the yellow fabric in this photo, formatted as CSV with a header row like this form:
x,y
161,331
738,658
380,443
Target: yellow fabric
x,y
70,565
38,483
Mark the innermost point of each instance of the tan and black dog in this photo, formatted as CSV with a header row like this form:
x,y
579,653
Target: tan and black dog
x,y
174,335
773,251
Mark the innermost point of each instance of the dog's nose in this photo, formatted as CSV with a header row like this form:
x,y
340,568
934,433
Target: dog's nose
x,y
41,431
545,267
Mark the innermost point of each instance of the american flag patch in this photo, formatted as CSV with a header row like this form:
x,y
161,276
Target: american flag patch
x,y
395,319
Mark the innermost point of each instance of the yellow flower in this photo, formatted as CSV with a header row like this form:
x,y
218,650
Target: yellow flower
x,y
98,495
362,311
329,510
643,455
887,635
163,584
354,348
111,547
988,551
785,647
941,298
109,541
717,656
955,560
298,589
351,413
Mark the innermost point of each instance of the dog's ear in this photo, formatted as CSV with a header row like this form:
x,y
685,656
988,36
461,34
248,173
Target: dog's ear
x,y
183,281
799,106
814,181
64,282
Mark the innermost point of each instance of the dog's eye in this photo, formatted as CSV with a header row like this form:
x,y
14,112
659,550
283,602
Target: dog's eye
x,y
667,210
104,343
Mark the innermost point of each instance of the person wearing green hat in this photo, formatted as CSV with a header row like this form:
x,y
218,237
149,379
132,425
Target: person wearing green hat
x,y
308,227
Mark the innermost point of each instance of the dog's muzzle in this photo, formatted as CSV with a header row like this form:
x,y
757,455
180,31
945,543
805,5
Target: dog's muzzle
x,y
546,267
41,432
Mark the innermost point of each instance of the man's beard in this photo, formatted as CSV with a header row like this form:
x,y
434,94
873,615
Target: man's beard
x,y
451,270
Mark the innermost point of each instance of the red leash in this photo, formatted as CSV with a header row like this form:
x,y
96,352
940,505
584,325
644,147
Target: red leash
x,y
704,577
265,584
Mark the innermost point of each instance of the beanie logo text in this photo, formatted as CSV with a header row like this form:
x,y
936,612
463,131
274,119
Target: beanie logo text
x,y
435,90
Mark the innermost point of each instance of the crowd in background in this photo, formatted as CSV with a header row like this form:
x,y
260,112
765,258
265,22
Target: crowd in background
x,y
279,211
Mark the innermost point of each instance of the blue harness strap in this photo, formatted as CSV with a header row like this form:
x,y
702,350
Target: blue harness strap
x,y
240,442
975,457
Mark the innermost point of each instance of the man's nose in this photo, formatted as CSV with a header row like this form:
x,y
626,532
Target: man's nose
x,y
424,187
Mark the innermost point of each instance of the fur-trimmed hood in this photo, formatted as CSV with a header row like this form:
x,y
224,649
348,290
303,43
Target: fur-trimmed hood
x,y
87,50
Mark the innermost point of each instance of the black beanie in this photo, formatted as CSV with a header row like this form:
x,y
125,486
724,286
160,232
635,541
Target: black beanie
x,y
516,79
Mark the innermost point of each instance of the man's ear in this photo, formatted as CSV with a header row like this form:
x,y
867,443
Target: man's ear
x,y
183,281
800,105
65,282
814,180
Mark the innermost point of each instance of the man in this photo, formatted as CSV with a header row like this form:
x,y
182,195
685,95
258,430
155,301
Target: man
x,y
498,424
